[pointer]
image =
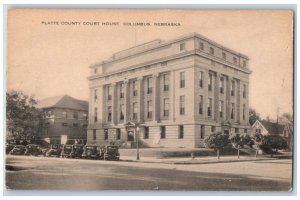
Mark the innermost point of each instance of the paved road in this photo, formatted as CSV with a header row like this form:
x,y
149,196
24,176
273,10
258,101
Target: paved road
x,y
64,174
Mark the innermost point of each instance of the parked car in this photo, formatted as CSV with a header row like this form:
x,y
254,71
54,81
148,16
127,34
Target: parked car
x,y
66,151
33,150
9,147
77,151
111,152
54,151
18,150
91,152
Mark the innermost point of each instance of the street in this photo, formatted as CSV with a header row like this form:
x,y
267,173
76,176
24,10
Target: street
x,y
69,174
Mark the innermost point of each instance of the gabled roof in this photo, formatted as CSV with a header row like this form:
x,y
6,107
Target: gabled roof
x,y
272,128
64,101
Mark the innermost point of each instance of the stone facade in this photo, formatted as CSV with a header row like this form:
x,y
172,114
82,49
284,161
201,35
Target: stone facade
x,y
178,91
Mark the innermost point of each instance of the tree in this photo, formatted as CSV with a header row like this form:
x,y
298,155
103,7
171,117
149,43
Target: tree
x,y
258,140
217,141
23,119
238,142
248,140
253,116
276,142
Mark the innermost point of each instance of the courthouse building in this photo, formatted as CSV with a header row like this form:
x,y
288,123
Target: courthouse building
x,y
178,92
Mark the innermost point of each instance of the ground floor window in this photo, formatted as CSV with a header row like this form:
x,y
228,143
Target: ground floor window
x,y
202,131
181,132
130,136
162,132
94,134
118,134
245,130
146,132
105,134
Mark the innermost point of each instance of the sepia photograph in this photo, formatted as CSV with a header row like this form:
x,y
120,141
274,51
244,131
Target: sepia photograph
x,y
149,100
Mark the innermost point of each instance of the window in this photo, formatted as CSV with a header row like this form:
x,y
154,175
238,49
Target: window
x,y
209,107
95,95
162,132
109,91
209,82
75,124
149,85
221,108
122,112
245,130
95,71
236,130
182,80
84,115
64,124
109,113
95,114
201,46
135,88
122,90
64,114
105,134
213,129
94,134
244,63
75,115
118,134
224,56
244,91
234,60
146,132
166,107
166,81
135,110
202,131
182,105
182,46
258,131
244,111
200,104
149,109
200,79
211,51
232,111
181,132
222,85
130,136
232,88
164,63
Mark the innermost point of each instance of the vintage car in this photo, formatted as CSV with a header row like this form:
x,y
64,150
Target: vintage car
x,y
77,151
33,150
54,151
18,150
111,152
91,152
9,147
66,151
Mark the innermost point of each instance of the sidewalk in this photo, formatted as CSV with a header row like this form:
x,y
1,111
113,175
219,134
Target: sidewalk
x,y
202,160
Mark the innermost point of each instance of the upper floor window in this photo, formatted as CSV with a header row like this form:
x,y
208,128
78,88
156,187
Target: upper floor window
x,y
135,111
109,113
209,82
209,107
182,79
221,85
244,91
95,114
182,105
200,104
149,109
234,60
122,90
166,80
122,112
84,116
75,115
135,88
95,95
109,92
201,46
149,85
232,88
182,46
65,115
244,63
211,51
95,71
244,111
200,79
221,108
224,56
166,107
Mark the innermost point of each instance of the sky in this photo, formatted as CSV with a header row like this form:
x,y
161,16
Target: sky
x,y
49,52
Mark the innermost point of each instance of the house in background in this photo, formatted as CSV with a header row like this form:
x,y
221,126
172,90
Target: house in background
x,y
66,120
266,127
